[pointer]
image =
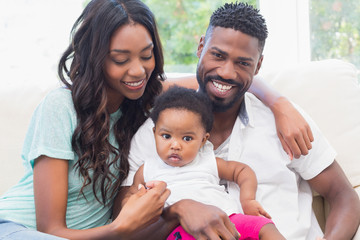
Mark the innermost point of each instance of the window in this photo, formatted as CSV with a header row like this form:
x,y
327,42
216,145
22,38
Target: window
x,y
335,30
305,30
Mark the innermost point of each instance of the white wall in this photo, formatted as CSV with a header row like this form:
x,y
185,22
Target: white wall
x,y
288,42
33,35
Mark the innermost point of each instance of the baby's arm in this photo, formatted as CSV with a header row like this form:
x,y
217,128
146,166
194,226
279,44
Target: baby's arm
x,y
245,177
137,184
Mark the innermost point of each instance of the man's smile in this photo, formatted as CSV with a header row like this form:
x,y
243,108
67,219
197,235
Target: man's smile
x,y
221,86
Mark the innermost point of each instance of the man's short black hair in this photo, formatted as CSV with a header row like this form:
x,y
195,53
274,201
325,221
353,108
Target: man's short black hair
x,y
188,99
240,17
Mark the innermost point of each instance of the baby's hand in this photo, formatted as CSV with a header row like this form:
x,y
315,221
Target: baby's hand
x,y
253,207
320,238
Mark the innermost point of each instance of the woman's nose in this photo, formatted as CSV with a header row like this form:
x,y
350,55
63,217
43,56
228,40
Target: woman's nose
x,y
136,69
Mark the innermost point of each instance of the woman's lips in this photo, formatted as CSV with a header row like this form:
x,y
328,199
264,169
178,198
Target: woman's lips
x,y
135,85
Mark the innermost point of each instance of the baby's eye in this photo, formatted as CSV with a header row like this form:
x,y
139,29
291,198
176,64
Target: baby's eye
x,y
187,138
166,136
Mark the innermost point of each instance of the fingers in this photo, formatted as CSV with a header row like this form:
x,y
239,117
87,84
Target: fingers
x,y
285,147
221,233
264,213
209,236
141,191
231,233
160,188
301,147
309,134
303,140
297,144
158,192
157,184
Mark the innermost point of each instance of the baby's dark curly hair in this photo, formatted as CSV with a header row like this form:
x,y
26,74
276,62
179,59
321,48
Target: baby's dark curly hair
x,y
240,17
188,99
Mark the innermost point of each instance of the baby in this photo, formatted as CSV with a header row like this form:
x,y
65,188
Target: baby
x,y
186,162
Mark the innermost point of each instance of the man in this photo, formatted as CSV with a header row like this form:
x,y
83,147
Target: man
x,y
244,130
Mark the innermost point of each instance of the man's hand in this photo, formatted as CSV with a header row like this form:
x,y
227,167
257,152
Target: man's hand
x,y
253,207
203,221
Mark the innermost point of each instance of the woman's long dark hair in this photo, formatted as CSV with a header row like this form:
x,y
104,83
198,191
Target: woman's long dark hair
x,y
85,78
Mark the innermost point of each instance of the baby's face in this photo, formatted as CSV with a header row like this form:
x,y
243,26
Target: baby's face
x,y
179,134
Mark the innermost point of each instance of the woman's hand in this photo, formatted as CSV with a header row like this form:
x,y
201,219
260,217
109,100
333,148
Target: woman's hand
x,y
203,221
292,129
142,208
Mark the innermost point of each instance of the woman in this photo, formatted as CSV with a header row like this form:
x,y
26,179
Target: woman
x,y
78,141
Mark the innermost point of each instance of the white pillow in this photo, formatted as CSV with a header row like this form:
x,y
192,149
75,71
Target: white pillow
x,y
329,92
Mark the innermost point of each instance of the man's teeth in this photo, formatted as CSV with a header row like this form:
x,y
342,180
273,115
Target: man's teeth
x,y
134,84
221,87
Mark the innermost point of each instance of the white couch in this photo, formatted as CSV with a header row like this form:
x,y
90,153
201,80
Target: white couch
x,y
328,90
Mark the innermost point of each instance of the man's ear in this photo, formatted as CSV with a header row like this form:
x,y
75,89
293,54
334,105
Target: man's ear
x,y
154,130
259,64
200,46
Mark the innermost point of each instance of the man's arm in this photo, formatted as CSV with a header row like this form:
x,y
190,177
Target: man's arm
x,y
344,216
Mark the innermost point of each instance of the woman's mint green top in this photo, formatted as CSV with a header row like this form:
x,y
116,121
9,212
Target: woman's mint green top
x,y
50,132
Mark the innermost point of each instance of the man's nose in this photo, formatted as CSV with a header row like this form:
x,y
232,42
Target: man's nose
x,y
227,70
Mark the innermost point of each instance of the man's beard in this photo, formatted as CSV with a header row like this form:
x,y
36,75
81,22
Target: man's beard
x,y
218,104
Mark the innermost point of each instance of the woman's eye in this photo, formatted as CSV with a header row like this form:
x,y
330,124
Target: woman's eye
x,y
166,136
120,62
147,58
187,138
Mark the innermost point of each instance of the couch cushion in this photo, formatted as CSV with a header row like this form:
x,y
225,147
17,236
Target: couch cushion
x,y
329,92
17,103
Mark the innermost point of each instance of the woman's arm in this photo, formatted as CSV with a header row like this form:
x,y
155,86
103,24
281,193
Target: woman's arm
x,y
292,129
185,81
50,190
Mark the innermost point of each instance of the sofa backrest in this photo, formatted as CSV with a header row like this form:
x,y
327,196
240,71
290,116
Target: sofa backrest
x,y
17,103
329,92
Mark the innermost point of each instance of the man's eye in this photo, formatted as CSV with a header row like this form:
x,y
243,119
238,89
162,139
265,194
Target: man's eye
x,y
244,63
218,55
187,138
166,136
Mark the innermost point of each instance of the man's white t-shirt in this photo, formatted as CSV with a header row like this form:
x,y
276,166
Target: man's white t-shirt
x,y
282,187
